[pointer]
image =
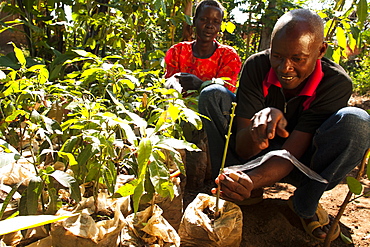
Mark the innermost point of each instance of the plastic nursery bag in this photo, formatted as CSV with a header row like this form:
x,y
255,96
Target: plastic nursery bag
x,y
197,229
82,230
149,228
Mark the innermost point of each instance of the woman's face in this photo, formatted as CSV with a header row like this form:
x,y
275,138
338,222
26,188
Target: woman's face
x,y
208,23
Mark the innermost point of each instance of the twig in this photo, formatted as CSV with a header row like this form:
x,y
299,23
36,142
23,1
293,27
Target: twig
x,y
335,222
217,212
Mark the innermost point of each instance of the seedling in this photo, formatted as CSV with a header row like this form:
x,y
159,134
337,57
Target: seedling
x,y
217,213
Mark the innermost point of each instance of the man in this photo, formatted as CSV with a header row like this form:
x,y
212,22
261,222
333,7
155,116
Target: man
x,y
292,98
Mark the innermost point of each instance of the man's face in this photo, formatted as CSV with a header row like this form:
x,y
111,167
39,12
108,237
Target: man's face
x,y
293,56
208,23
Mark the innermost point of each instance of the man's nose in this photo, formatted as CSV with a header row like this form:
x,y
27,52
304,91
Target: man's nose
x,y
286,66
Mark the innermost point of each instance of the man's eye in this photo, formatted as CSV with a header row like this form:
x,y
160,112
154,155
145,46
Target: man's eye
x,y
297,59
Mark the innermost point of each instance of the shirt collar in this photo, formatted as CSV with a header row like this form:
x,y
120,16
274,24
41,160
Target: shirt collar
x,y
310,87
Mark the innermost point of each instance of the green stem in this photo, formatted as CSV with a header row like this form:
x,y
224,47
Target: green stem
x,y
232,115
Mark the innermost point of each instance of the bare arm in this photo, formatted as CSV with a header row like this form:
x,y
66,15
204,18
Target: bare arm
x,y
272,170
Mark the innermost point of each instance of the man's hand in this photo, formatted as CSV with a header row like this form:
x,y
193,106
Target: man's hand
x,y
265,124
188,81
235,186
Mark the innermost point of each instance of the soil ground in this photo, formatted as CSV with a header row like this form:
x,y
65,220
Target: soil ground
x,y
272,223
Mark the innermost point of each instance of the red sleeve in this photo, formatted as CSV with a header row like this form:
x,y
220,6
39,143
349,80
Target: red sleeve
x,y
172,62
230,67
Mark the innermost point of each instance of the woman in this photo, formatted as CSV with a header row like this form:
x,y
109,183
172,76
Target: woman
x,y
192,63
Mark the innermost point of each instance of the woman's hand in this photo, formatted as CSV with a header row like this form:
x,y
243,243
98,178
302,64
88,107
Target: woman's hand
x,y
188,81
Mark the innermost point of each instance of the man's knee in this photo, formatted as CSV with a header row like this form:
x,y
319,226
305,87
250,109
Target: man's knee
x,y
355,121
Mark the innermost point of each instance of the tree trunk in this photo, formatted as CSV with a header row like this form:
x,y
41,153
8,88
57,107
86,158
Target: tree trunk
x,y
187,31
268,23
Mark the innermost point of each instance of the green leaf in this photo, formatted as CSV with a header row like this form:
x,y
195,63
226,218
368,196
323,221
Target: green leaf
x,y
35,117
110,176
362,12
188,20
138,193
159,176
368,166
34,191
143,153
25,222
354,185
69,182
345,239
8,198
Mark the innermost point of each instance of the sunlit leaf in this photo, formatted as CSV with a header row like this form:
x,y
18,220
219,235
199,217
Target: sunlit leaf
x,y
341,38
25,222
2,75
336,55
322,15
193,118
174,112
69,157
223,26
128,188
15,114
354,185
20,56
177,144
143,153
339,4
230,27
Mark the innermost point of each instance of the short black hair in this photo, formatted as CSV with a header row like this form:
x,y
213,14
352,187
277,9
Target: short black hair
x,y
206,3
298,16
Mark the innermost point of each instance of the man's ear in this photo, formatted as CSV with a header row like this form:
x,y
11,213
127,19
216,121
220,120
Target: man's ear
x,y
323,49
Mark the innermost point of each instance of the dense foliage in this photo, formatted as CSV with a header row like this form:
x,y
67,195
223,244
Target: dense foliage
x,y
85,91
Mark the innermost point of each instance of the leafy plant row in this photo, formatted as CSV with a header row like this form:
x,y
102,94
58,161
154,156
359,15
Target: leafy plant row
x,y
100,121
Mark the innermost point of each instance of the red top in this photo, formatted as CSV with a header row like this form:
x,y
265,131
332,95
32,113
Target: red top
x,y
224,62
